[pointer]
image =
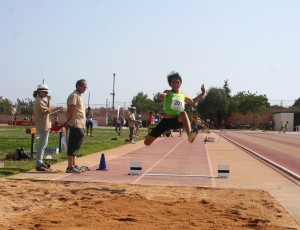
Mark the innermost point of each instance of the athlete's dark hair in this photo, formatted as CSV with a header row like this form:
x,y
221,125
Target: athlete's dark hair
x,y
173,75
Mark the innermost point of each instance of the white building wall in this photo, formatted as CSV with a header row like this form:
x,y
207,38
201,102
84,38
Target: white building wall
x,y
283,117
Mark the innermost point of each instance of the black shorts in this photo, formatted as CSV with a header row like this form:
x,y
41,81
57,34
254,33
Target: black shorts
x,y
164,125
75,140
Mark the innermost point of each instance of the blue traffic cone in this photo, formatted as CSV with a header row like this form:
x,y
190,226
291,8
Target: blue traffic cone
x,y
102,165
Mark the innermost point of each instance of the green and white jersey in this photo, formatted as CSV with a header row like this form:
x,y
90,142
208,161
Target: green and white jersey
x,y
174,103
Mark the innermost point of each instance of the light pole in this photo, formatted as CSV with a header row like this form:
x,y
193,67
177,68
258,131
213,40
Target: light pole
x,y
113,93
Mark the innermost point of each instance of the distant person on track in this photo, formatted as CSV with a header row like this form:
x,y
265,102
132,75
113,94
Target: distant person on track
x,y
156,117
119,124
286,126
238,124
89,122
174,115
281,127
139,123
270,124
132,122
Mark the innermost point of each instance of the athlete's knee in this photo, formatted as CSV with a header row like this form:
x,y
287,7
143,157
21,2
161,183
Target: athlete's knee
x,y
148,141
183,114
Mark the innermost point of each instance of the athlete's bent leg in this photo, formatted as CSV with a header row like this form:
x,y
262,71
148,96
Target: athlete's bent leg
x,y
183,117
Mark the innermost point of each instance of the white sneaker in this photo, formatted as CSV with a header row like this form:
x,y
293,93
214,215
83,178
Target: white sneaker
x,y
132,142
73,170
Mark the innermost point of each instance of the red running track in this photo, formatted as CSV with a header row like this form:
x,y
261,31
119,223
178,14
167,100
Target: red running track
x,y
282,149
171,161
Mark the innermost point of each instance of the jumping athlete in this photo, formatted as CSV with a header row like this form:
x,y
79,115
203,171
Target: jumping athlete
x,y
174,115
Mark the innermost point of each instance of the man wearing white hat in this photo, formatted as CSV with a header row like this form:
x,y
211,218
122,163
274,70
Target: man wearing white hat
x,y
41,110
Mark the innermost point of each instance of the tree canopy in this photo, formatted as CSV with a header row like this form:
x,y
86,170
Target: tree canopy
x,y
145,104
297,103
21,107
5,106
214,105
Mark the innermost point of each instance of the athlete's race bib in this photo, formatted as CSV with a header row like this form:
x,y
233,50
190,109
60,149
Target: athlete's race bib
x,y
177,104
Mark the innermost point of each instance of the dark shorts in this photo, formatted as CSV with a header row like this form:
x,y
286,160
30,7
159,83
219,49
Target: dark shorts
x,y
164,125
75,140
89,124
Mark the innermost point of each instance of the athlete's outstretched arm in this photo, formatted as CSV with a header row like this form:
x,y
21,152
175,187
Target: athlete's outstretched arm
x,y
196,99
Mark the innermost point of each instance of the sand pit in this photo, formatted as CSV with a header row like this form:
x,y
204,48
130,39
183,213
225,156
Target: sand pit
x,y
72,205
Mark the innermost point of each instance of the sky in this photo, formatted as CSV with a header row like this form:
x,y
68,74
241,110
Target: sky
x,y
254,44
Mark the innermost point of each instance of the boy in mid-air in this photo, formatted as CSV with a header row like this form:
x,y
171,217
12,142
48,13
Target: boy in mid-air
x,y
174,114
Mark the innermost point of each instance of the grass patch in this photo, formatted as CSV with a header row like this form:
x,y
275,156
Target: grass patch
x,y
12,137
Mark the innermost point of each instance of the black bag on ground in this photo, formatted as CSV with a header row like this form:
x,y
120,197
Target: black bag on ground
x,y
21,155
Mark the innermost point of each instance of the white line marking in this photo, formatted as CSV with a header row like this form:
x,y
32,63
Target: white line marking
x,y
168,153
210,168
178,175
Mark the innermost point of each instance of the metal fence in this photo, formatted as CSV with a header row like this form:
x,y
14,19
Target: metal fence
x,y
117,105
282,103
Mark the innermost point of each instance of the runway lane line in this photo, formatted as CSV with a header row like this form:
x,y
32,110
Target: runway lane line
x,y
157,162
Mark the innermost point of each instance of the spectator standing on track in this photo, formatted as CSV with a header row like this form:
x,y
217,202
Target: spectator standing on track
x,y
151,119
42,110
238,124
119,123
156,117
89,122
132,124
286,126
281,127
174,115
75,122
138,123
270,125
223,125
180,132
139,119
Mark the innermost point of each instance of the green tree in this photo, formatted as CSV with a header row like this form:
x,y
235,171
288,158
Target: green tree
x,y
5,106
143,103
158,102
214,106
233,103
25,106
226,88
297,103
252,103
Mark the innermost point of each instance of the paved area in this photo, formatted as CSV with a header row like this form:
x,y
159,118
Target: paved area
x,y
173,161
